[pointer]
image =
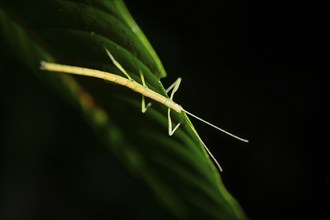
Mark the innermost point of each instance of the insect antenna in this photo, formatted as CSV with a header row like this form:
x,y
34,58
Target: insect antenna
x,y
216,127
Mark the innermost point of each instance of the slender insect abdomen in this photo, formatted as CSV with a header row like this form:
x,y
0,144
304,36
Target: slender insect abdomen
x,y
135,86
72,70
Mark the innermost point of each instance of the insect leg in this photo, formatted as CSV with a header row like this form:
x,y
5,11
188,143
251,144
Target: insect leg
x,y
171,86
175,87
144,107
117,64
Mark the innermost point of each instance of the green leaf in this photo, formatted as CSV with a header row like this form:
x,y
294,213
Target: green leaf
x,y
177,169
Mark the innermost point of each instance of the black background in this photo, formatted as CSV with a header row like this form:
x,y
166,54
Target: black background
x,y
257,69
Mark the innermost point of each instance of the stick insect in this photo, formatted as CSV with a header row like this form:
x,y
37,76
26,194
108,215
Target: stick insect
x,y
141,89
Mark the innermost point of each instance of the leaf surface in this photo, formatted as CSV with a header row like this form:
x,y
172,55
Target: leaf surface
x,y
177,169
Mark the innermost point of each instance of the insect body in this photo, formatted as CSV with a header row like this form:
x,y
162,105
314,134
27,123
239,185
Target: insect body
x,y
130,83
139,88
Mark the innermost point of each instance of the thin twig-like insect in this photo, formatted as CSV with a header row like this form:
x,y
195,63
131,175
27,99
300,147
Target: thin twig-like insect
x,y
142,89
